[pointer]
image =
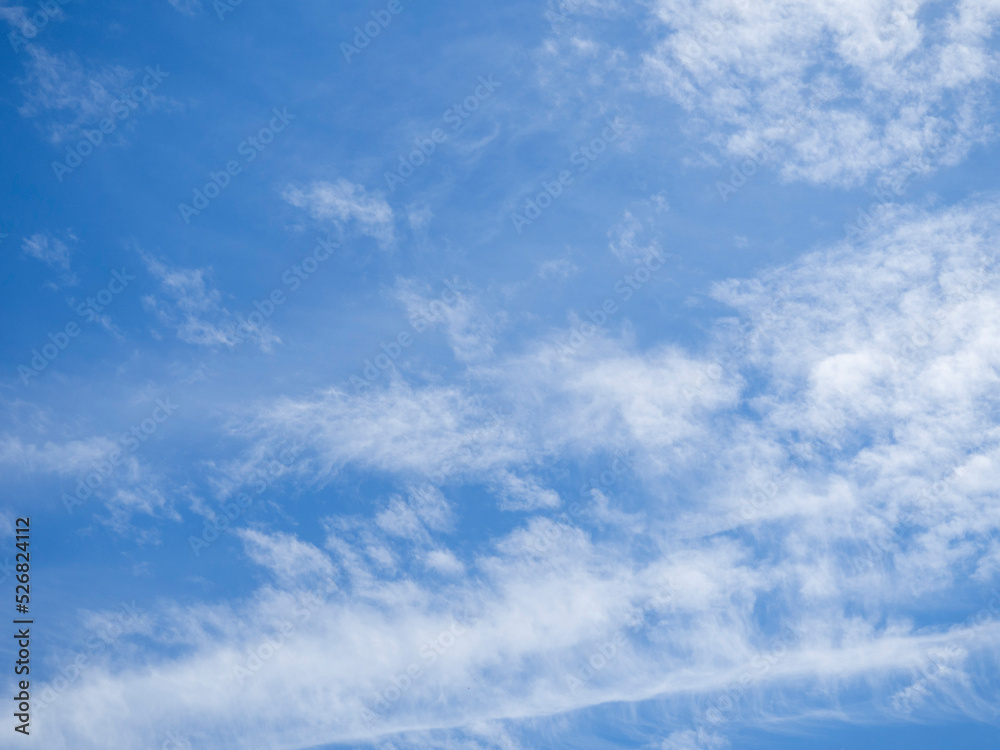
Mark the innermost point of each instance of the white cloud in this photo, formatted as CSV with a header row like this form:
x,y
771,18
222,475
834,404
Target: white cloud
x,y
292,561
471,329
876,357
689,739
49,250
15,16
525,493
187,7
346,203
58,458
558,268
195,309
848,90
606,397
90,480
420,434
73,95
432,508
444,561
419,217
626,241
20,19
53,252
399,519
786,478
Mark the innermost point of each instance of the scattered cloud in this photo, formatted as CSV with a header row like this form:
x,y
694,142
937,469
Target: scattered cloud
x,y
470,328
290,560
346,204
848,91
188,7
818,420
194,308
52,252
69,93
543,523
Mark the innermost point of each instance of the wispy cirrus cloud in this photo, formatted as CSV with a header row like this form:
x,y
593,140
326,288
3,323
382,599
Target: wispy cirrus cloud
x,y
70,94
191,305
761,494
53,252
785,478
346,204
187,7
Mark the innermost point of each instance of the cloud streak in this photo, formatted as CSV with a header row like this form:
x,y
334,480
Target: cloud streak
x,y
760,486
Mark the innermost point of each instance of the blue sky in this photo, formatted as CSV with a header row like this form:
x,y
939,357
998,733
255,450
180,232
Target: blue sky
x,y
588,373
